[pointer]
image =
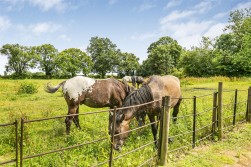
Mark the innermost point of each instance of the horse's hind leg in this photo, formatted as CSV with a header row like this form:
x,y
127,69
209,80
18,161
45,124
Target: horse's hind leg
x,y
176,110
68,119
76,120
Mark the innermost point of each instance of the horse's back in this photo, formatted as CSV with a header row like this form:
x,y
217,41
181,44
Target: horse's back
x,y
75,86
171,80
165,86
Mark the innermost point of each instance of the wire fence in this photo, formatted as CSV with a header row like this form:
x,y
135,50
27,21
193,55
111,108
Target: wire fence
x,y
197,122
12,132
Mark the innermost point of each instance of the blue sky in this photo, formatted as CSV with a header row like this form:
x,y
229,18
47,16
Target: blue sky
x,y
131,24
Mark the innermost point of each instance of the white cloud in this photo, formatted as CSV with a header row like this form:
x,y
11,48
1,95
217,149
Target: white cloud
x,y
220,15
189,41
215,30
187,27
242,5
145,6
64,37
111,2
203,6
45,27
144,36
172,3
46,5
11,5
189,33
200,8
5,23
83,47
176,15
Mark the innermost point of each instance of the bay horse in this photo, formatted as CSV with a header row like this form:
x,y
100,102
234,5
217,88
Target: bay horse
x,y
154,89
93,93
134,80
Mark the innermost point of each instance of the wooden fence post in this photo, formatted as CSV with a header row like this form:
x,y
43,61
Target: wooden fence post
x,y
235,105
112,135
194,121
161,125
165,131
21,142
16,134
249,106
219,111
214,115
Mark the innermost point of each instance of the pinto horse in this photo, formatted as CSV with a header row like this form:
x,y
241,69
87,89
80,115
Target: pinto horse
x,y
154,89
134,80
93,93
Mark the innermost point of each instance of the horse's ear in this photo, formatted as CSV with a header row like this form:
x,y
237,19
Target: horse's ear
x,y
121,117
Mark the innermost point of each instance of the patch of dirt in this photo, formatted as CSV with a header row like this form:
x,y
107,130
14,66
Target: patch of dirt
x,y
242,159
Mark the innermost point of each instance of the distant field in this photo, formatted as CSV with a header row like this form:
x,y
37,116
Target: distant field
x,y
49,135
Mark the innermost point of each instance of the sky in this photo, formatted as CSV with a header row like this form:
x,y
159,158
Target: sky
x,y
130,24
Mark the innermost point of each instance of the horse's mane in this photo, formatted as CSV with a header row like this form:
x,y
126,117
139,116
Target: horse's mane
x,y
140,96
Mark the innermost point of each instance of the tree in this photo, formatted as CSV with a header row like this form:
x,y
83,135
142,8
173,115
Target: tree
x,y
104,55
232,46
163,56
242,60
174,48
47,58
225,49
129,63
20,58
72,61
198,62
236,22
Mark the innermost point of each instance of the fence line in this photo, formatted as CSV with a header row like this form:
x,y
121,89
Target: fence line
x,y
16,142
215,121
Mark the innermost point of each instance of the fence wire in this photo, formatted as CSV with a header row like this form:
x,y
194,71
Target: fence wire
x,y
181,132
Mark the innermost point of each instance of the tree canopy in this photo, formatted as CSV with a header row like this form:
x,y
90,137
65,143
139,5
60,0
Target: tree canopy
x,y
163,56
72,61
128,64
20,58
104,55
47,55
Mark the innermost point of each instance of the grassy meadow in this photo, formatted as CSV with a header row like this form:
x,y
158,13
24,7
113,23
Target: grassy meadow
x,y
49,135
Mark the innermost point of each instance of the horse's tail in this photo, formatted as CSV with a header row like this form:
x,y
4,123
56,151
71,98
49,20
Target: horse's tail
x,y
52,89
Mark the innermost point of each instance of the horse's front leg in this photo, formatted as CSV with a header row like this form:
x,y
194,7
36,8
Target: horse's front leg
x,y
154,128
176,109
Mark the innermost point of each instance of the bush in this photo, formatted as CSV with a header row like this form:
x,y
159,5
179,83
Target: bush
x,y
27,88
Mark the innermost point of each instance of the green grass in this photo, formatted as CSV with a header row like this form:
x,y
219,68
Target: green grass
x,y
49,135
233,150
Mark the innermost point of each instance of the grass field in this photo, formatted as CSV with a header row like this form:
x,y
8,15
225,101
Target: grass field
x,y
50,135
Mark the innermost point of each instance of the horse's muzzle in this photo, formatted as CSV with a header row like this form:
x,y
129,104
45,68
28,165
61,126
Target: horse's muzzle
x,y
118,148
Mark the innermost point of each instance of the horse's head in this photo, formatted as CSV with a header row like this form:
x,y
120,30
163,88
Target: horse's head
x,y
140,79
121,130
121,125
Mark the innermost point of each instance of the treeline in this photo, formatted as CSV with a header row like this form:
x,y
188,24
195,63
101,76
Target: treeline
x,y
226,55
